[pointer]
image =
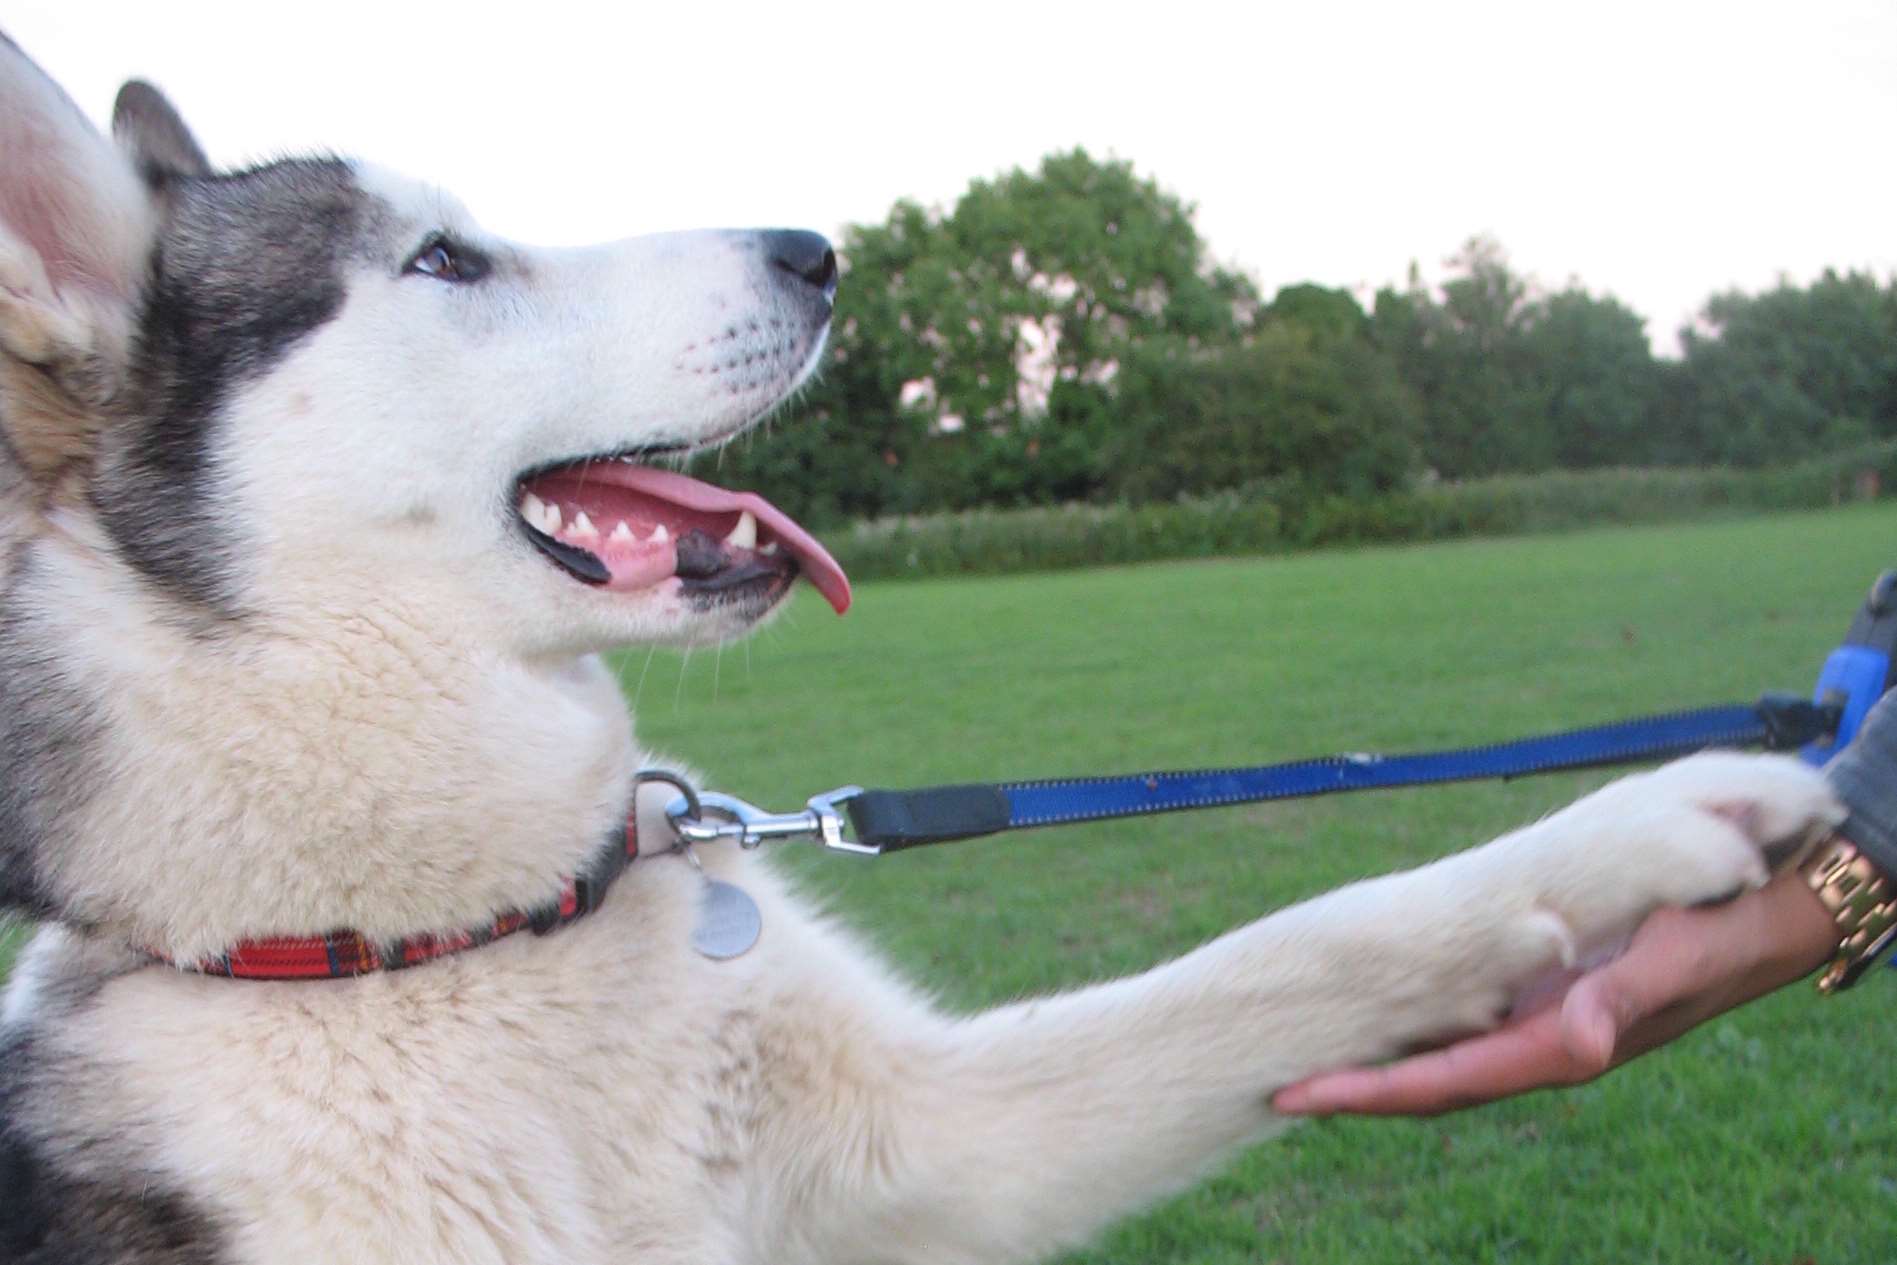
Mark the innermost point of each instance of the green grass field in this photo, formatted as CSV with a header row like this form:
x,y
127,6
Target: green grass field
x,y
1768,1137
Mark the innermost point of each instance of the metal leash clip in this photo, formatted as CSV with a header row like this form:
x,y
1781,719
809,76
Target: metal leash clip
x,y
709,816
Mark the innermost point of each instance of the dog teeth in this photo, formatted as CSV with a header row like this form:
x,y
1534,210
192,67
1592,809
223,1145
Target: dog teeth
x,y
744,535
770,550
583,526
622,535
541,515
660,535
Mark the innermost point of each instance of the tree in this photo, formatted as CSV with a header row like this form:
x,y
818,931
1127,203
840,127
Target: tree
x,y
1323,311
974,353
1511,379
1592,376
1791,372
1461,354
1311,412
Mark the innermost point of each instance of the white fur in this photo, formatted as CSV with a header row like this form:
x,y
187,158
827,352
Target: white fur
x,y
407,730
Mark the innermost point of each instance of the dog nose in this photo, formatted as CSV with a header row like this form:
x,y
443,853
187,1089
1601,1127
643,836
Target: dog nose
x,y
806,256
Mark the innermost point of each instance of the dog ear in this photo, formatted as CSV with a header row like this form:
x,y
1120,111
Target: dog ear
x,y
151,131
76,230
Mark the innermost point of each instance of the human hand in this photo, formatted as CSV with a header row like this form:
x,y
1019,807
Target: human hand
x,y
1684,966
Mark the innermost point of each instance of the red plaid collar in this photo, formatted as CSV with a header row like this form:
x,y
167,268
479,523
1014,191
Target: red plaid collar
x,y
342,954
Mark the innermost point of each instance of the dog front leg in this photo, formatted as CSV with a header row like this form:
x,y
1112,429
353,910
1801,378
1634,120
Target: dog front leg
x,y
1007,1135
1010,1134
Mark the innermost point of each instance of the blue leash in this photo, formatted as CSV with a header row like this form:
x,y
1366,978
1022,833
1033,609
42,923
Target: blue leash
x,y
852,819
1854,677
893,820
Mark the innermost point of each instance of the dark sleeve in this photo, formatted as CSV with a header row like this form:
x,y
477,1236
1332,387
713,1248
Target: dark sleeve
x,y
1865,777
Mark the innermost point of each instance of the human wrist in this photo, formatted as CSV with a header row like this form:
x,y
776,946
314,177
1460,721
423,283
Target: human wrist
x,y
1798,932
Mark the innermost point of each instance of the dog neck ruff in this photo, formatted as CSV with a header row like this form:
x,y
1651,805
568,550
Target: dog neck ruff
x,y
344,954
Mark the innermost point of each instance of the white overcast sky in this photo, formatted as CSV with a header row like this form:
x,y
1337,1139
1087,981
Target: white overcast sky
x,y
1656,151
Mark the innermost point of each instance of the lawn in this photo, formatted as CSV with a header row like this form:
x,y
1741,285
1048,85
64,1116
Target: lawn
x,y
1768,1137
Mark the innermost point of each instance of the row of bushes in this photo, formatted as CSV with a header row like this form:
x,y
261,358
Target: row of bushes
x,y
1278,516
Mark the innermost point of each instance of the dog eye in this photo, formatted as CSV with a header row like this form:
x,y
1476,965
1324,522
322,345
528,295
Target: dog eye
x,y
445,260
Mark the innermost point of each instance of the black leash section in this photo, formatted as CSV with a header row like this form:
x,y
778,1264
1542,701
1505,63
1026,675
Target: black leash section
x,y
890,821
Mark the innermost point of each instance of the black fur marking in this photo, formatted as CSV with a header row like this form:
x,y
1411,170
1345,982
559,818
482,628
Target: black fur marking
x,y
247,265
50,1217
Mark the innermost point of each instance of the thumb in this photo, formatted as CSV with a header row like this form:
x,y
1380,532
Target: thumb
x,y
1592,1017
1651,993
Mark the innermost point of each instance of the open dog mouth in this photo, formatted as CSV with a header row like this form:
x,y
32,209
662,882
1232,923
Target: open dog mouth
x,y
626,527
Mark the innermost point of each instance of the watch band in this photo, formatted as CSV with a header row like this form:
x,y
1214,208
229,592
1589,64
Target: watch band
x,y
1862,901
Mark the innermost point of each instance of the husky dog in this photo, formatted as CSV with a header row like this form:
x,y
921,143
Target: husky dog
x,y
318,505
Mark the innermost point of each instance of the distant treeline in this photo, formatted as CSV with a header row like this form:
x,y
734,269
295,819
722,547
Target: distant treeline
x,y
1276,517
1060,337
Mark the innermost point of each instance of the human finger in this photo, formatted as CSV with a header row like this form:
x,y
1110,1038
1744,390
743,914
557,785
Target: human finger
x,y
1523,1055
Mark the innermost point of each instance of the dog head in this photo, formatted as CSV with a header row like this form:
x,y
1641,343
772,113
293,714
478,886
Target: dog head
x,y
313,384
315,499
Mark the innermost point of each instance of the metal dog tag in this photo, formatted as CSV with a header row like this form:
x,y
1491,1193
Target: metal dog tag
x,y
728,921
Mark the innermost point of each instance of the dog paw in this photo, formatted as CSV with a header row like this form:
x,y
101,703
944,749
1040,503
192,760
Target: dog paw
x,y
1698,830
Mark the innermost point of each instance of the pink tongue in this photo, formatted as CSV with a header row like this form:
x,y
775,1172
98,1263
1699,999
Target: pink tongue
x,y
812,558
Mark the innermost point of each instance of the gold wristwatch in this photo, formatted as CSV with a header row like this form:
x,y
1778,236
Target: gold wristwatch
x,y
1862,901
